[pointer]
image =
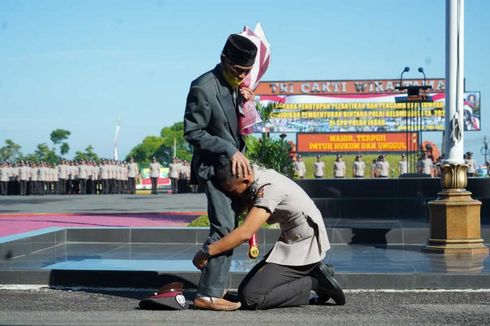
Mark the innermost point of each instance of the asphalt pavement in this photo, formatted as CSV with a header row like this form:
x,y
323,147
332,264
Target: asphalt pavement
x,y
63,307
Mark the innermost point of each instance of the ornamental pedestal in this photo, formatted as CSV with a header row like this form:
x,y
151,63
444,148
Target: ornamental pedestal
x,y
455,216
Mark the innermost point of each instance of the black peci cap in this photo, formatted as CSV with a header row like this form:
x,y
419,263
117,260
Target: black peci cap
x,y
240,50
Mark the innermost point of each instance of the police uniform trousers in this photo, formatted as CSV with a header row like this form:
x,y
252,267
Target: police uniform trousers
x,y
132,185
270,285
62,186
3,188
23,187
174,185
83,186
154,181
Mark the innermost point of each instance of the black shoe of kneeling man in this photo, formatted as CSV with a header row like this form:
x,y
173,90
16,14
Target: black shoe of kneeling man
x,y
328,285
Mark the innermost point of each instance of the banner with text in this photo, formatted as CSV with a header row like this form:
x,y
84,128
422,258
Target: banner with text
x,y
363,113
356,142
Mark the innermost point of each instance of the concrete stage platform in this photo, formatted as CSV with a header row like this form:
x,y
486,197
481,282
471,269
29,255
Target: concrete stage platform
x,y
369,256
377,229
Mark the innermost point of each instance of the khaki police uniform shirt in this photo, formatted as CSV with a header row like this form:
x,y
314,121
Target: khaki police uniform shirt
x,y
425,166
300,168
339,169
82,171
319,169
402,167
132,170
104,171
383,168
471,165
62,171
154,170
359,168
24,173
4,176
303,237
34,173
174,170
41,176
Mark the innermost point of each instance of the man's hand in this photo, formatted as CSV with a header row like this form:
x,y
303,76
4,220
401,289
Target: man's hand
x,y
247,93
200,259
240,166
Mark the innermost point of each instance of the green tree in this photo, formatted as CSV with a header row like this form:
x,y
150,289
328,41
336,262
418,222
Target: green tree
x,y
87,155
64,148
269,152
162,147
174,136
266,111
57,136
43,153
11,151
146,150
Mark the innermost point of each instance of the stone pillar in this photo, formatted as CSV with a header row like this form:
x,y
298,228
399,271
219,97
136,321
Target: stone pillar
x,y
454,215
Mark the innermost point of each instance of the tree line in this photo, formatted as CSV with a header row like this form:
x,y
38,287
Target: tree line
x,y
162,147
265,150
50,153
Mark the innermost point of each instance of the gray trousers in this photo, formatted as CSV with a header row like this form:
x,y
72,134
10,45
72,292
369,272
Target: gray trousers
x,y
270,285
222,213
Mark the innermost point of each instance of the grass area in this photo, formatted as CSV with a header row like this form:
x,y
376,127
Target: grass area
x,y
392,159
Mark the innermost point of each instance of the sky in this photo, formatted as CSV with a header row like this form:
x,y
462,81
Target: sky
x,y
81,65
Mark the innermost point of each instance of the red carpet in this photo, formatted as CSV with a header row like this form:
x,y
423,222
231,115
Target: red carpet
x,y
20,223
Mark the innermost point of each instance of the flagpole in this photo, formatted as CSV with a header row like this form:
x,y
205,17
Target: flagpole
x,y
116,138
455,218
175,147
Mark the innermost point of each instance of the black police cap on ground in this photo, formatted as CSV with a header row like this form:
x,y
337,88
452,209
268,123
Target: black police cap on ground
x,y
240,50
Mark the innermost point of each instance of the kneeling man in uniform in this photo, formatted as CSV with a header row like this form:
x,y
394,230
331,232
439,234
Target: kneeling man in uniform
x,y
293,268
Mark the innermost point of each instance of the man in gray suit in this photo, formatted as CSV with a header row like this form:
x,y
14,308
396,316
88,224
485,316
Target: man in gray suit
x,y
211,126
288,273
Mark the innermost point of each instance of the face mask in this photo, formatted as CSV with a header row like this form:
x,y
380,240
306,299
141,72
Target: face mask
x,y
232,80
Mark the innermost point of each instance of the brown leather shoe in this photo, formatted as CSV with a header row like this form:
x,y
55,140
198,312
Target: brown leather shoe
x,y
218,304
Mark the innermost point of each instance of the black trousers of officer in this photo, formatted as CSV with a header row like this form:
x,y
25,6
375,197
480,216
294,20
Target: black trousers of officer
x,y
154,185
270,285
132,185
106,185
32,187
41,188
62,186
83,186
174,185
23,187
3,188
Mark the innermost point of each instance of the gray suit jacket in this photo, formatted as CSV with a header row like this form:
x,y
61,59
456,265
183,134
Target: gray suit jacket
x,y
211,120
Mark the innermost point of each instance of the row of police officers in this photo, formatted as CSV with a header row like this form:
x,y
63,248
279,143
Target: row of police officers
x,y
380,167
68,177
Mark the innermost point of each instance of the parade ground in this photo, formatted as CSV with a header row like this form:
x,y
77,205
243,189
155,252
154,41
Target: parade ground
x,y
109,252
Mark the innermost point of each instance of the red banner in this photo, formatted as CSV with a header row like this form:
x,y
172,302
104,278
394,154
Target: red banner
x,y
356,142
331,87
